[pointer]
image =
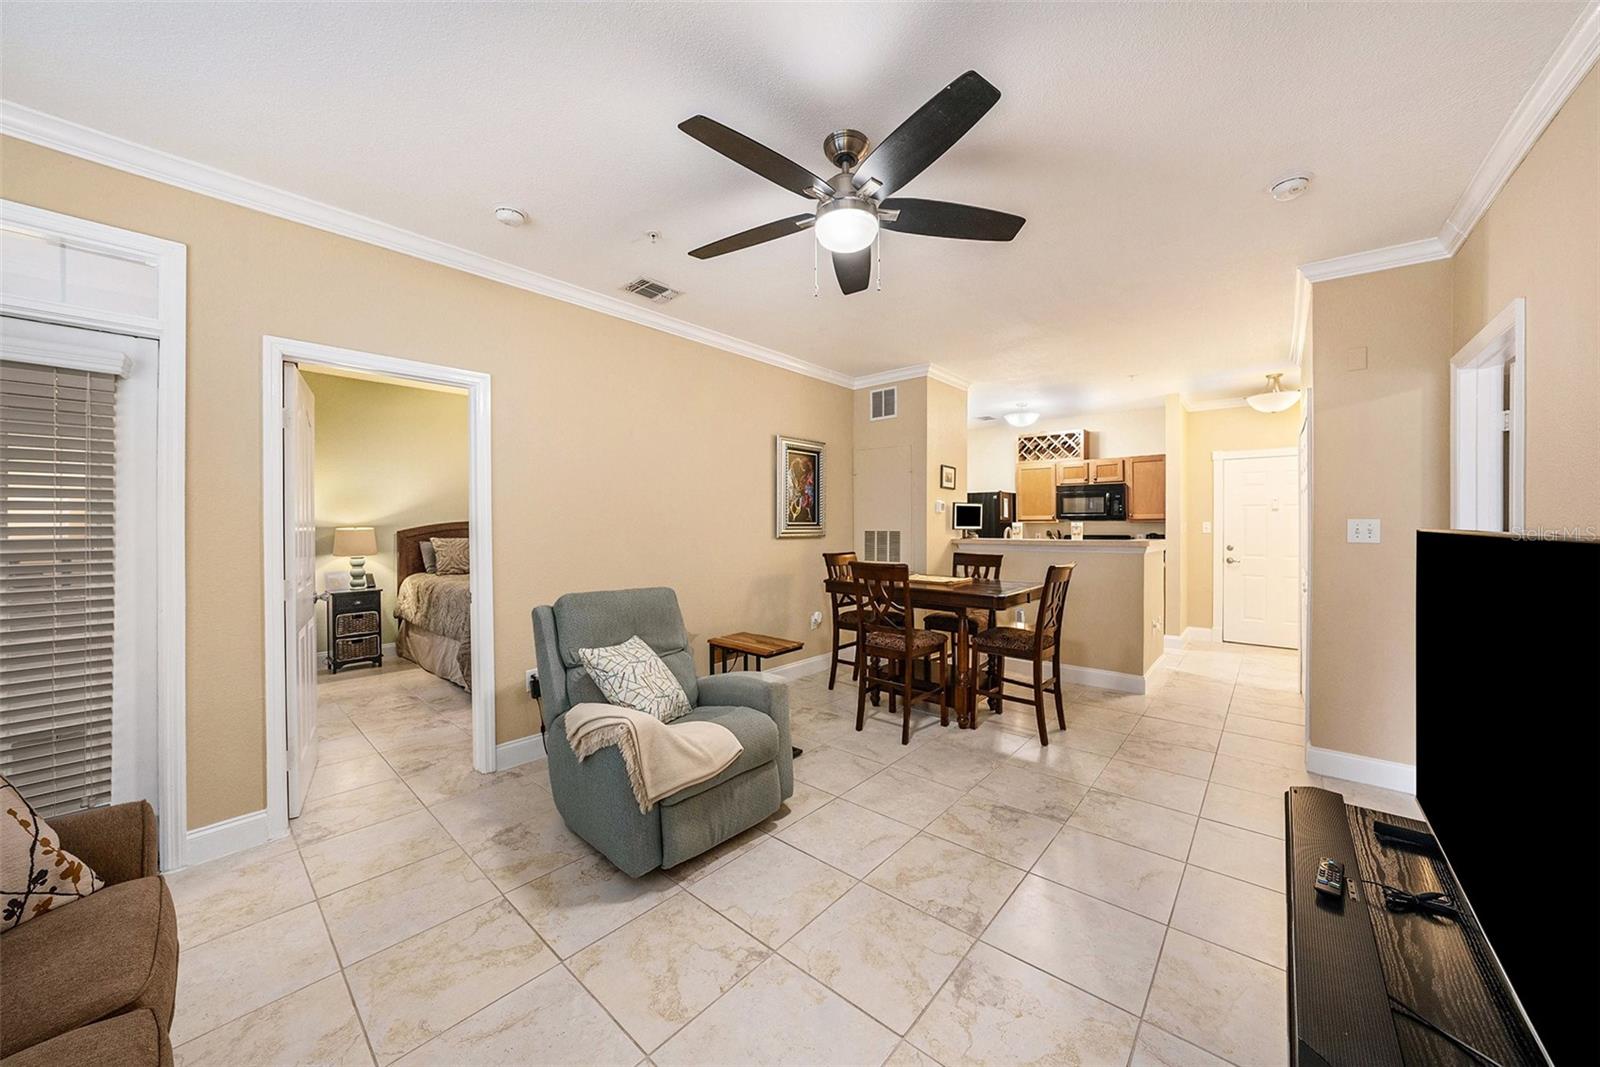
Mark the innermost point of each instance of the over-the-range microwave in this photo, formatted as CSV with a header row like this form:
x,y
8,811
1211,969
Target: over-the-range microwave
x,y
1106,500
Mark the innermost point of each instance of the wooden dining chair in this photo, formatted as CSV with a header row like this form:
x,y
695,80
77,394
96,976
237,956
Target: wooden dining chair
x,y
845,615
890,645
1000,643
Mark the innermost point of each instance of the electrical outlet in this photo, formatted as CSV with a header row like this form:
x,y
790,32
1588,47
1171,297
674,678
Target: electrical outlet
x,y
530,682
816,619
1363,531
1205,527
1020,617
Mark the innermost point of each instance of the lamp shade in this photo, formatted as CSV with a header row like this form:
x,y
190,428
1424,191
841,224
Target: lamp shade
x,y
355,541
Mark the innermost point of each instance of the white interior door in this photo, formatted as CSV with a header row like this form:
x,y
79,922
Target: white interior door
x,y
300,585
1260,540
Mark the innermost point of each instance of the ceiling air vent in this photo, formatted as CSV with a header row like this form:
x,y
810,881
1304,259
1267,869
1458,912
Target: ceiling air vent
x,y
655,292
884,403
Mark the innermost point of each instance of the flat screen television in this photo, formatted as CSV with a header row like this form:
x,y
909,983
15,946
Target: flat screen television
x,y
966,516
1508,759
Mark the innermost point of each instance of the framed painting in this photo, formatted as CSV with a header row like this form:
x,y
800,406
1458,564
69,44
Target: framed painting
x,y
947,476
800,477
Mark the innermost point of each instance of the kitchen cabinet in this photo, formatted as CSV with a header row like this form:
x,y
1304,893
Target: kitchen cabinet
x,y
1107,470
1036,491
1147,488
1072,472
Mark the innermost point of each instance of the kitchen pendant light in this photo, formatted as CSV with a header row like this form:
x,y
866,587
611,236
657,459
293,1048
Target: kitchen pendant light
x,y
1022,416
1275,399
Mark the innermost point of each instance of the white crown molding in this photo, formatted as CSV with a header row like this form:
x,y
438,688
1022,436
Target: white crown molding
x,y
1545,97
63,136
1570,63
1403,255
903,374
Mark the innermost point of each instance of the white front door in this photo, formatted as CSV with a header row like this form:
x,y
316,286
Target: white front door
x,y
1260,544
300,587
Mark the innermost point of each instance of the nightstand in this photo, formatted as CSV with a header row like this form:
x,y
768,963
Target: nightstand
x,y
355,631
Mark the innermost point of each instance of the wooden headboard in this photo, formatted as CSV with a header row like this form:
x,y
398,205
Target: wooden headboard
x,y
407,550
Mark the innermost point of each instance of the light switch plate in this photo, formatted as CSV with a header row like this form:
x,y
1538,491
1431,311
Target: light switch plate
x,y
1205,527
1363,531
938,507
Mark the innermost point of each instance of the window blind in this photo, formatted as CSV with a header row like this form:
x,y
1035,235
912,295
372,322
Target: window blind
x,y
57,587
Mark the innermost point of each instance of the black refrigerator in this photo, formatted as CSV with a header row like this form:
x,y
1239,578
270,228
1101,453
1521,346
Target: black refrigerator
x,y
999,512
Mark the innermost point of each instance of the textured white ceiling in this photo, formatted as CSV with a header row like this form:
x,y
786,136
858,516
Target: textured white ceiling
x,y
1137,139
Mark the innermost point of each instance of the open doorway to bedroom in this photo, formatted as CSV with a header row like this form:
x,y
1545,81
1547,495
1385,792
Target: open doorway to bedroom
x,y
378,592
393,632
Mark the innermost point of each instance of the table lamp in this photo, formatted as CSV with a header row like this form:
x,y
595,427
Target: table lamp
x,y
357,542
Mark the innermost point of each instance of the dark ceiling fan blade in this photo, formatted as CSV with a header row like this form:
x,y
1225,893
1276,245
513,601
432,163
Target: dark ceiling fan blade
x,y
938,218
928,133
754,155
756,235
854,270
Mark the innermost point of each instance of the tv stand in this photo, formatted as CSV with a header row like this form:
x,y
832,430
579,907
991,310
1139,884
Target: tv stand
x,y
1353,964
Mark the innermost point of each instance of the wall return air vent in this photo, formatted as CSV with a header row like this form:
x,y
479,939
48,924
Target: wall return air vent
x,y
881,546
655,292
884,403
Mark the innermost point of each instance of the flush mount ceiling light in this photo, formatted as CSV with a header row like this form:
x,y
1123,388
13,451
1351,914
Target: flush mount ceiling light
x,y
1022,416
510,216
1275,399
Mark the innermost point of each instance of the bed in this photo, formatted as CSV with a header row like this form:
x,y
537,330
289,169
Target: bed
x,y
433,610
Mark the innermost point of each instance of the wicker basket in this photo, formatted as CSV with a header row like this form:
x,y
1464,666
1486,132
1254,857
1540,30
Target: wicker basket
x,y
358,647
359,622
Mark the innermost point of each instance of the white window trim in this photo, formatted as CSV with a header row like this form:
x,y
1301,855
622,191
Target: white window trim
x,y
168,328
275,352
1503,340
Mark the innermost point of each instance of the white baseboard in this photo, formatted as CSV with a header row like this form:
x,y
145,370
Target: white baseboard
x,y
388,649
1197,633
225,838
516,753
1096,678
1401,777
802,667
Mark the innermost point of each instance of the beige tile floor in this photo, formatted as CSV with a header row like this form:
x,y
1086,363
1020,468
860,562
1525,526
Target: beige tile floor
x,y
1113,898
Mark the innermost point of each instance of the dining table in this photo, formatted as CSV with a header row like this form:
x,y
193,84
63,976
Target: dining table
x,y
999,595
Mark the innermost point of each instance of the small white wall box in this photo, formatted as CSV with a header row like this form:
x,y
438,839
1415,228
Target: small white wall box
x,y
1364,531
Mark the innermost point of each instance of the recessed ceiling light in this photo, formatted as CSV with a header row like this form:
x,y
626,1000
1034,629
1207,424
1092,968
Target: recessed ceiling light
x,y
1290,187
510,216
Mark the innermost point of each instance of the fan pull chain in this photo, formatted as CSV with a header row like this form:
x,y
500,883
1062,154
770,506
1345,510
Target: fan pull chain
x,y
877,251
815,291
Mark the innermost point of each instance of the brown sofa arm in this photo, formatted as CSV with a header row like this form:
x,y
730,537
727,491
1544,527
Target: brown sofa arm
x,y
118,841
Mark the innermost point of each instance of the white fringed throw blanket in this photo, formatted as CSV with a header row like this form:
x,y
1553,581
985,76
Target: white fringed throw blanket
x,y
661,758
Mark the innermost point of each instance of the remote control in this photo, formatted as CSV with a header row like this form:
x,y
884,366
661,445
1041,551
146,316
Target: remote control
x,y
1330,877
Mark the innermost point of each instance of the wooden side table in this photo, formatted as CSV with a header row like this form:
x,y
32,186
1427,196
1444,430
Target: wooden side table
x,y
722,650
355,630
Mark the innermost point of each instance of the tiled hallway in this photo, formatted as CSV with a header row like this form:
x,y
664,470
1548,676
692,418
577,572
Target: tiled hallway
x,y
1116,897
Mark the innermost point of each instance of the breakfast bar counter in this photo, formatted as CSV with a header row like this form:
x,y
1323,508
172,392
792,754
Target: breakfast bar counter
x,y
1112,633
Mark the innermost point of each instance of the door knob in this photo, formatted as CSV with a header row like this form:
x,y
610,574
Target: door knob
x,y
1230,559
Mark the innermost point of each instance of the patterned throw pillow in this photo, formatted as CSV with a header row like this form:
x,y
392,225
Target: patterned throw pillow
x,y
450,555
633,676
36,874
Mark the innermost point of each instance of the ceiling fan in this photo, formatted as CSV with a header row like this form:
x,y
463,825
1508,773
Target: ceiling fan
x,y
855,202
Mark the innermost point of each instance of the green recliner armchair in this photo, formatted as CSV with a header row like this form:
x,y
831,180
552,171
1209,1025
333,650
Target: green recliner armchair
x,y
594,797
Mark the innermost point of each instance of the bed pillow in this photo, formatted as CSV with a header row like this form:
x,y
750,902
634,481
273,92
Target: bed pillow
x,y
633,676
430,559
36,873
450,555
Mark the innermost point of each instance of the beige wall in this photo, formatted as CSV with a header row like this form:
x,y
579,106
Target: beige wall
x,y
947,445
1541,241
1226,430
622,456
1381,435
1176,607
897,460
387,456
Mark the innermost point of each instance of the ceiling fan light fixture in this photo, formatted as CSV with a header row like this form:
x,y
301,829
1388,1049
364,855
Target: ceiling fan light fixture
x,y
1022,417
1275,399
846,224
